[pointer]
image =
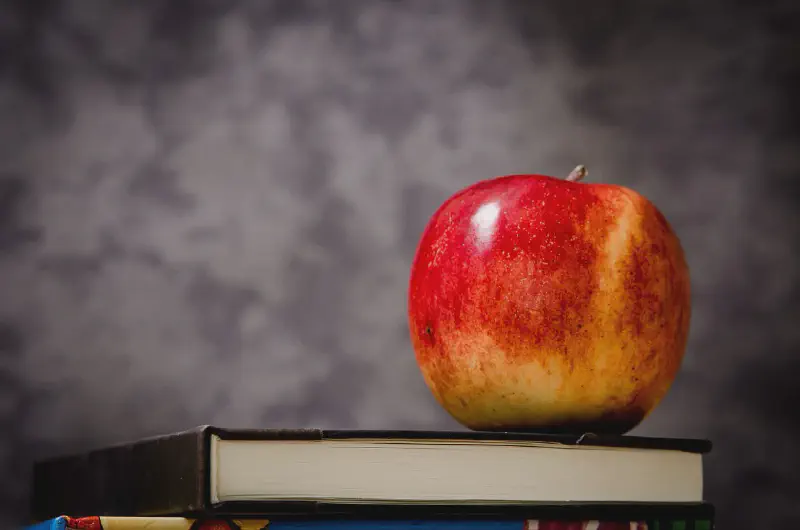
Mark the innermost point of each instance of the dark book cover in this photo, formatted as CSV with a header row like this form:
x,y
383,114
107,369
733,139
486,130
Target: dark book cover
x,y
169,474
228,523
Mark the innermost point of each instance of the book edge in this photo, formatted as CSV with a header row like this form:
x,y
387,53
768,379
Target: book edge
x,y
331,510
689,445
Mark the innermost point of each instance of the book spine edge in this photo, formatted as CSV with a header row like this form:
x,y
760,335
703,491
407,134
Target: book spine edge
x,y
157,476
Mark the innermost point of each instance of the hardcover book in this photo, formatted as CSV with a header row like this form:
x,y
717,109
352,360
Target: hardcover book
x,y
148,523
311,471
179,523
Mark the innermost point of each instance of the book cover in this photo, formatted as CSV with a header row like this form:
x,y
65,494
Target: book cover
x,y
180,523
147,523
170,475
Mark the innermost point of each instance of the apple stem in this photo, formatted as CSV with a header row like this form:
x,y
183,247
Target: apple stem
x,y
578,173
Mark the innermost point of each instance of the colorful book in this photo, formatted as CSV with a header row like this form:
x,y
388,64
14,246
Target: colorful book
x,y
211,469
180,523
148,523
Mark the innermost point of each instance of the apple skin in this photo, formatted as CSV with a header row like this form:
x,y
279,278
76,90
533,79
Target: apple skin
x,y
543,304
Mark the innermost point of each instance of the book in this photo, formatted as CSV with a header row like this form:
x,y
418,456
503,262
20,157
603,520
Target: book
x,y
180,523
296,471
148,523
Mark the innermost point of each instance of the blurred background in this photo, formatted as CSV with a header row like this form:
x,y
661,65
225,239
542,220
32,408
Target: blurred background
x,y
208,209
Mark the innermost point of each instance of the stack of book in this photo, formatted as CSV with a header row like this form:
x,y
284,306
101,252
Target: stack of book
x,y
239,479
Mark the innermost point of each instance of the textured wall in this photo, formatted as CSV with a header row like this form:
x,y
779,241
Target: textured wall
x,y
208,209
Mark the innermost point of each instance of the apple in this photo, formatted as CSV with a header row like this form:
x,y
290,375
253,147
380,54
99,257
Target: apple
x,y
552,305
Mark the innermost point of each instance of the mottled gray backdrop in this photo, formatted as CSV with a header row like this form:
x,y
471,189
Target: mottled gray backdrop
x,y
208,209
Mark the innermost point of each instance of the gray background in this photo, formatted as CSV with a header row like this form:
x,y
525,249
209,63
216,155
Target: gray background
x,y
208,209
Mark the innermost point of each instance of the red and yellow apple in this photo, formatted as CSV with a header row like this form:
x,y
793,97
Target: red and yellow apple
x,y
547,304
